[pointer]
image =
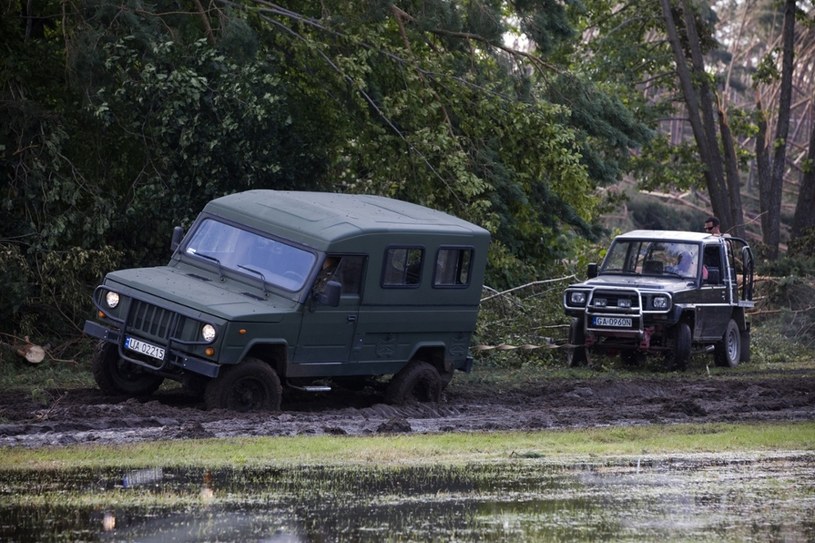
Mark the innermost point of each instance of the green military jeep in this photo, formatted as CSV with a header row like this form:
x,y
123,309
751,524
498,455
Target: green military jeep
x,y
667,293
302,289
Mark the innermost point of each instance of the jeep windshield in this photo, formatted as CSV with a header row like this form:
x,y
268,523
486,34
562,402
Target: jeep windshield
x,y
271,261
652,257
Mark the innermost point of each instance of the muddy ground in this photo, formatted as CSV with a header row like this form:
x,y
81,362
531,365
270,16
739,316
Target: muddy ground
x,y
61,417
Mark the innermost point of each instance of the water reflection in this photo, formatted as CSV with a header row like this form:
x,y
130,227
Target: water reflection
x,y
673,499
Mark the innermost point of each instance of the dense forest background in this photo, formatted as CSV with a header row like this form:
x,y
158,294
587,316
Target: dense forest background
x,y
550,122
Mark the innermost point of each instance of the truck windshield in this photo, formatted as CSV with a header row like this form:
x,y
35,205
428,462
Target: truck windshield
x,y
272,261
653,257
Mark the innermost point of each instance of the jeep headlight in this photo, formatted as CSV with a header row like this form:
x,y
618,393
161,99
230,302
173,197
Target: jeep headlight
x,y
112,299
577,297
208,333
660,302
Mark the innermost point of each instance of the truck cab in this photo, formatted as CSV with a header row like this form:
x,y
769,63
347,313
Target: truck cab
x,y
665,292
299,289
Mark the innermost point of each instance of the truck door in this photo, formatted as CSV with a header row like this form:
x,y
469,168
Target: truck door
x,y
326,332
715,301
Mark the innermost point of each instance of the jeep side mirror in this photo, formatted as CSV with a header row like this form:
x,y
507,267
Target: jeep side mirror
x,y
331,294
178,235
591,272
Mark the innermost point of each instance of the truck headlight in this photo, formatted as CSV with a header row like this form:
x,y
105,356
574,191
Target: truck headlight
x,y
660,302
208,333
112,299
577,298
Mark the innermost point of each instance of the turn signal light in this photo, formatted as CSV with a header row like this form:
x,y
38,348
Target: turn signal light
x,y
209,351
101,314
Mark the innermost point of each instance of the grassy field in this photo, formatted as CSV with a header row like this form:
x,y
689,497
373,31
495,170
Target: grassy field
x,y
435,449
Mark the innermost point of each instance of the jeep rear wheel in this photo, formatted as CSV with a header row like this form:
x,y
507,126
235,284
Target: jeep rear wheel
x,y
727,352
252,385
418,381
115,376
679,347
576,354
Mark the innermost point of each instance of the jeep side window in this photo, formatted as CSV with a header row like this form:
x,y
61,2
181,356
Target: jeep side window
x,y
349,273
403,267
712,261
346,270
453,267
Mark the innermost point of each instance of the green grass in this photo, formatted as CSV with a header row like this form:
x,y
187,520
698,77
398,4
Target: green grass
x,y
435,449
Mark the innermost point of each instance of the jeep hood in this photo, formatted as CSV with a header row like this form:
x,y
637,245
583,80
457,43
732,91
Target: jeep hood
x,y
231,300
667,284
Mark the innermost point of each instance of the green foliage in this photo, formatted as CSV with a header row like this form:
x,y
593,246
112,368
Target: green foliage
x,y
665,165
528,320
651,213
124,119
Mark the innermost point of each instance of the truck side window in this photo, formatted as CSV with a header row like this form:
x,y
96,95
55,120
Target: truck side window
x,y
403,267
712,261
349,273
346,270
453,267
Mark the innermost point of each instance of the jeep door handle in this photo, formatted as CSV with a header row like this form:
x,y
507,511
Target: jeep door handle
x,y
351,318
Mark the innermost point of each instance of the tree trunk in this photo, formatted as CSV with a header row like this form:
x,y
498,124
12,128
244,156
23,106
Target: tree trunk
x,y
772,236
731,163
762,167
805,208
699,99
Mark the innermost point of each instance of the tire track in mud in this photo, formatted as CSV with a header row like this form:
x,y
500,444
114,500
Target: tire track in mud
x,y
88,416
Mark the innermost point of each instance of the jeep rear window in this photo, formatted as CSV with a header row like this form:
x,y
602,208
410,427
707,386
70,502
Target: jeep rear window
x,y
273,261
453,267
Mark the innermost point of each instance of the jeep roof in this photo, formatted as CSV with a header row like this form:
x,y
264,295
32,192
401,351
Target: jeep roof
x,y
672,235
320,220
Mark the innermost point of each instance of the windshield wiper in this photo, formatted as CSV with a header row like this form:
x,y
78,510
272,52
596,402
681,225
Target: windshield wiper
x,y
208,257
259,273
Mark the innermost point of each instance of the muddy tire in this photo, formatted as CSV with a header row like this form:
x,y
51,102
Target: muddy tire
x,y
744,353
679,348
115,376
418,381
727,352
251,385
577,355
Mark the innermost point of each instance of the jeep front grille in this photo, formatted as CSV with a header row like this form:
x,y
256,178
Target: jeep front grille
x,y
152,321
614,300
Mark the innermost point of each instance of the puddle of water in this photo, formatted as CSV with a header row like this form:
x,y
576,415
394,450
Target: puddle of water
x,y
689,498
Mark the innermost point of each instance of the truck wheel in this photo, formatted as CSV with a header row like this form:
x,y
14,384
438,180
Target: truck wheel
x,y
576,356
115,376
727,351
251,385
744,351
418,381
679,347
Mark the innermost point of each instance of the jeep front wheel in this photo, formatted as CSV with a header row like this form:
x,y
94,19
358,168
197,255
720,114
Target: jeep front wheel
x,y
418,381
679,347
252,385
576,354
115,376
727,352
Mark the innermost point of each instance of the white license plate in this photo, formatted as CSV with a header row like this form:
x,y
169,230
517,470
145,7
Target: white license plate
x,y
613,322
144,348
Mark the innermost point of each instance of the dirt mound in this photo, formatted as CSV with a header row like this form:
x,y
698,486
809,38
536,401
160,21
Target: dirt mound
x,y
88,415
